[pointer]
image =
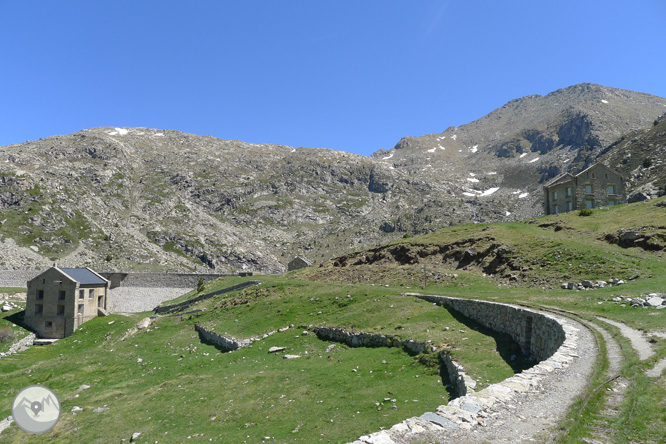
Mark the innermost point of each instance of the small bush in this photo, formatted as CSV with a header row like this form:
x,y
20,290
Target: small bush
x,y
406,236
647,162
200,285
585,212
6,334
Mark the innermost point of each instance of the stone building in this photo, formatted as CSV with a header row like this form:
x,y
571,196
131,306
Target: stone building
x,y
297,263
61,299
595,186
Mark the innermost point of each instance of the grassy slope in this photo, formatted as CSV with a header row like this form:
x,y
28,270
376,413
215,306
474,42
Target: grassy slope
x,y
185,388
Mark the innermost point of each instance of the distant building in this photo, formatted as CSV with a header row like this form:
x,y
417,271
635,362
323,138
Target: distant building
x,y
61,299
297,263
596,186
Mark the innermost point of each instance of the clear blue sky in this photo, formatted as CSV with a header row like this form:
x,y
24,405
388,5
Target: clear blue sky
x,y
350,75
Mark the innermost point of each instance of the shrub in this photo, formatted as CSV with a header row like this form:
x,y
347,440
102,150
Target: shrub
x,y
585,212
647,162
200,285
406,236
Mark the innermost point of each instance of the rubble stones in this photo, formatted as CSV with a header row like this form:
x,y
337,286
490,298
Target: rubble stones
x,y
586,284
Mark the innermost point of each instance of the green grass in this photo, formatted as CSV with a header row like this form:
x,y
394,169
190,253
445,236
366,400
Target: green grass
x,y
183,387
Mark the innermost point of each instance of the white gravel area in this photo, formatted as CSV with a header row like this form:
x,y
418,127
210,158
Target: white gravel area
x,y
137,299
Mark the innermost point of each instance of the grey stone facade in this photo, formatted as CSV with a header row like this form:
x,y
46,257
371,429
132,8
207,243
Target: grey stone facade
x,y
57,304
596,186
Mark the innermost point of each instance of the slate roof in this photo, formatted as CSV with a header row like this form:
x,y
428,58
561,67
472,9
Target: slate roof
x,y
83,276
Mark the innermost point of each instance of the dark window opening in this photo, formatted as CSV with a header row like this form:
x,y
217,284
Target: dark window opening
x,y
61,310
61,295
39,309
40,295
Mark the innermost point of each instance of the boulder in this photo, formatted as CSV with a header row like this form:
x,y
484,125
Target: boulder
x,y
655,301
291,356
275,349
637,302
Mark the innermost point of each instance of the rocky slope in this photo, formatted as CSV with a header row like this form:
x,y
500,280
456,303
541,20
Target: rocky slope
x,y
121,198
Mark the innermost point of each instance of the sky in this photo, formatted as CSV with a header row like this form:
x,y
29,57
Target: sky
x,y
353,75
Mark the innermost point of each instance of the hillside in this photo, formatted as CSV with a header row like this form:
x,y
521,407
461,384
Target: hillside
x,y
171,385
147,199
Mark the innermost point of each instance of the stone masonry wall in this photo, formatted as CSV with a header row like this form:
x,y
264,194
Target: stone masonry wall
x,y
537,334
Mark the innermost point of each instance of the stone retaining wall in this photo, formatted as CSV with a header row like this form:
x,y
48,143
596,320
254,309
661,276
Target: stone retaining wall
x,y
538,335
19,278
552,341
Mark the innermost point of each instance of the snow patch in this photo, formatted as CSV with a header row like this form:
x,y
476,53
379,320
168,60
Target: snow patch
x,y
469,194
472,174
492,173
391,168
432,150
293,150
489,191
523,195
474,149
160,134
508,213
533,160
388,157
604,101
441,147
523,155
460,151
454,137
472,179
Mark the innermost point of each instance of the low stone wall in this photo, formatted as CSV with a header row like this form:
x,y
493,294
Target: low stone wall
x,y
461,384
229,343
185,304
222,342
537,334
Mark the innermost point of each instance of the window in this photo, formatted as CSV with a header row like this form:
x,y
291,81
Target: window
x,y
589,203
594,176
611,189
568,191
82,294
100,301
554,195
61,295
91,293
588,189
555,210
39,309
80,309
40,295
605,175
61,310
569,206
611,202
48,324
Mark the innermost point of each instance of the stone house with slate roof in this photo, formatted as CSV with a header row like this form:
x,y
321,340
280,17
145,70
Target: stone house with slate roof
x,y
595,186
59,300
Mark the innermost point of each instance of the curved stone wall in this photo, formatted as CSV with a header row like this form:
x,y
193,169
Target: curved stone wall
x,y
550,340
538,335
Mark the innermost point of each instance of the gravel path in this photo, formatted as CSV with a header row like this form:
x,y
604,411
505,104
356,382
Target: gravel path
x,y
533,416
137,299
638,341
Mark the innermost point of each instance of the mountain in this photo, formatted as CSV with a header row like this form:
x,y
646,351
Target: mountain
x,y
148,199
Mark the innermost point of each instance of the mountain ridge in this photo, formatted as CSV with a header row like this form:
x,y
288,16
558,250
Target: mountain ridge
x,y
139,198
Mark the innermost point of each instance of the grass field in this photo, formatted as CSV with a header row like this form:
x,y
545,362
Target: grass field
x,y
169,385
